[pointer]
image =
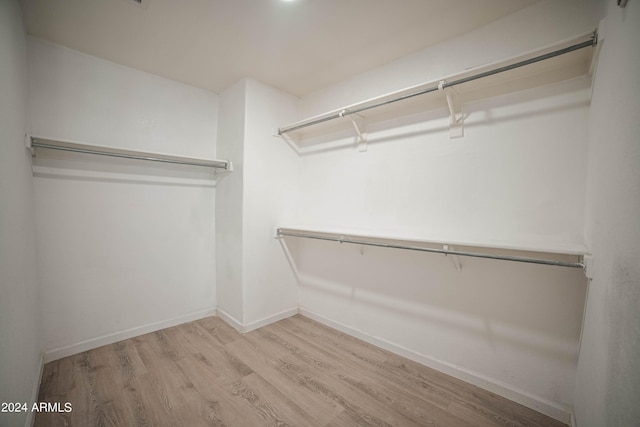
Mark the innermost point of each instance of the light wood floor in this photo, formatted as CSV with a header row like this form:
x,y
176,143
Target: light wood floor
x,y
295,372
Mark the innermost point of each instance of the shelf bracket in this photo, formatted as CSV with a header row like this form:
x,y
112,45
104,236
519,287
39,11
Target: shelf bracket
x,y
456,129
454,258
587,261
360,126
288,139
29,146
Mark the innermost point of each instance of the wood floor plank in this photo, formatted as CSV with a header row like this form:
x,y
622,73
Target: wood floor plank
x,y
295,372
423,408
353,356
315,376
225,400
173,387
220,331
317,406
429,382
200,341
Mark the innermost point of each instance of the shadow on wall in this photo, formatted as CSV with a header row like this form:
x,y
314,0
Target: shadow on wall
x,y
533,307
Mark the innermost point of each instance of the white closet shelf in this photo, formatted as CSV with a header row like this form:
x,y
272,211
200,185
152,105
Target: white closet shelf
x,y
34,143
563,255
558,62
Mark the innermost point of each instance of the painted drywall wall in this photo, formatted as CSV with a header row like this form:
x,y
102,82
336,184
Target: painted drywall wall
x,y
517,177
113,105
255,282
125,246
271,194
608,379
544,23
20,361
229,205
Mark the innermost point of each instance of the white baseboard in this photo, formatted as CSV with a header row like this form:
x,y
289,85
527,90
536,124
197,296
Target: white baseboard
x,y
232,321
35,389
271,319
573,422
59,353
537,403
248,327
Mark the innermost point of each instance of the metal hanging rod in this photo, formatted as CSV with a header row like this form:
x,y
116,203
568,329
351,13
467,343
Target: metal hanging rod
x,y
127,154
343,239
345,112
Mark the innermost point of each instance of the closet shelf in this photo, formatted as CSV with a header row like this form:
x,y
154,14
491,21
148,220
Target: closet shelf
x,y
35,142
561,61
572,256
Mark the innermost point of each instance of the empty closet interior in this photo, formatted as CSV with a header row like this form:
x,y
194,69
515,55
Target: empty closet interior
x,y
471,206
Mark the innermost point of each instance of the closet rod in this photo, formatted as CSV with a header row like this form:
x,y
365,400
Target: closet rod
x,y
345,112
126,154
433,250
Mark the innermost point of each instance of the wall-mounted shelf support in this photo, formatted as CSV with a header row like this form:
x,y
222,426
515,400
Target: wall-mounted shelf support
x,y
454,258
360,126
29,145
453,102
587,260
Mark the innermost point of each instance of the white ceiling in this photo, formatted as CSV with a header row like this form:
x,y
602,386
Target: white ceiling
x,y
298,46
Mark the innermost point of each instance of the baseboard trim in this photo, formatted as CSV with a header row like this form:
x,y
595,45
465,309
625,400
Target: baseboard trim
x,y
554,410
230,320
35,389
271,319
243,328
573,422
59,353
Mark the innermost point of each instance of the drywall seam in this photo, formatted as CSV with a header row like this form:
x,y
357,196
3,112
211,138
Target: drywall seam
x,y
59,353
514,394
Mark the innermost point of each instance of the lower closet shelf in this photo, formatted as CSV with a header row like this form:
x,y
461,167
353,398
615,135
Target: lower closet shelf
x,y
570,257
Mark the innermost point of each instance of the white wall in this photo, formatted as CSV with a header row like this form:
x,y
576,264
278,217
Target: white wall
x,y
19,315
125,246
543,23
271,194
82,98
230,205
255,282
608,383
516,178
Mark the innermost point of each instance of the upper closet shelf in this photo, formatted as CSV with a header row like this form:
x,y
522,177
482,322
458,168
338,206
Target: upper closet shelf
x,y
561,61
34,142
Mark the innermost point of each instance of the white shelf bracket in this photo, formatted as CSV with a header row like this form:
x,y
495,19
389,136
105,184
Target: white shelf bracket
x,y
29,146
360,127
288,139
454,258
587,260
456,129
221,174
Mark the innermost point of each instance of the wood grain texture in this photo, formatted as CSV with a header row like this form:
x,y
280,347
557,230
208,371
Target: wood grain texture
x,y
295,372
